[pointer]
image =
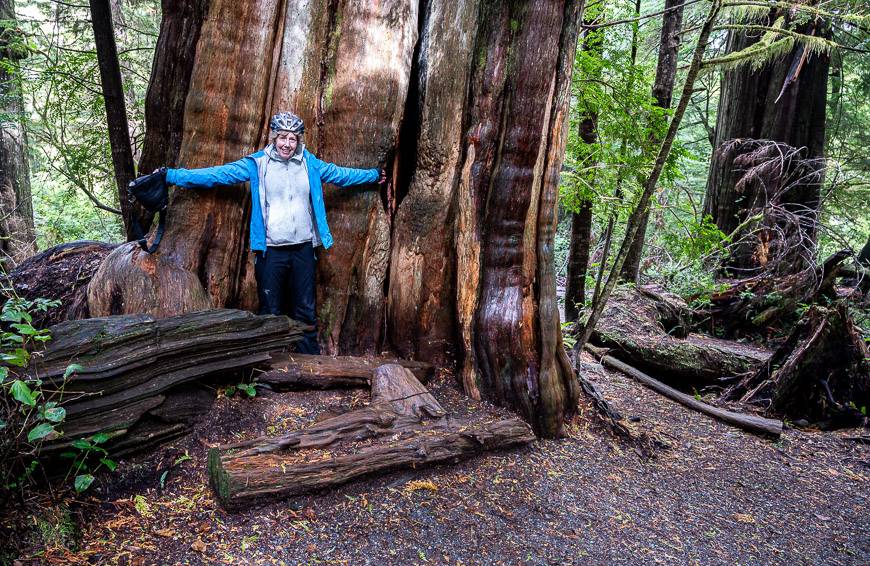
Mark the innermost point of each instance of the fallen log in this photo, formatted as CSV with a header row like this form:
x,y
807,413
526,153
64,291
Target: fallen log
x,y
750,423
303,371
132,369
403,427
820,373
642,329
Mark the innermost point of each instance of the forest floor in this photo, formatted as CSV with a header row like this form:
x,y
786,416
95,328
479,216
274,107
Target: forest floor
x,y
715,496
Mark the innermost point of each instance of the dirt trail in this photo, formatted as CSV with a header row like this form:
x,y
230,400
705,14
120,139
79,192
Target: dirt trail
x,y
717,496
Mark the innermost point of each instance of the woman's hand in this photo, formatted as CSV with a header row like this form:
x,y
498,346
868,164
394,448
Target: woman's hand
x,y
383,177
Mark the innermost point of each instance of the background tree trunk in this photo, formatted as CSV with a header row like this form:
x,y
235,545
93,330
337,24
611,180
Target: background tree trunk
x,y
116,106
466,234
17,238
581,221
663,91
784,101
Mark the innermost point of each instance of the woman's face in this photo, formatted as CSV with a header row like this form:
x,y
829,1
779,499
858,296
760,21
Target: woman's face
x,y
286,143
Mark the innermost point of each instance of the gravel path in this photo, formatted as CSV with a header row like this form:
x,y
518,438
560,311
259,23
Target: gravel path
x,y
716,496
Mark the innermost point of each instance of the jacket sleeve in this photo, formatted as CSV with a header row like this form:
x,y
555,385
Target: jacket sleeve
x,y
346,176
208,177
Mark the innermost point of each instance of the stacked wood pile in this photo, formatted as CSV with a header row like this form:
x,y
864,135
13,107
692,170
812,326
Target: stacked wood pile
x,y
134,375
404,426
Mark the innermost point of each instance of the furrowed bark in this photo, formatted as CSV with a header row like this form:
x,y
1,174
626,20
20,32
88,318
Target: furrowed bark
x,y
520,136
202,262
422,278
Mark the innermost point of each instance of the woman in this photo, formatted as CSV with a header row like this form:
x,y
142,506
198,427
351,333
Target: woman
x,y
288,217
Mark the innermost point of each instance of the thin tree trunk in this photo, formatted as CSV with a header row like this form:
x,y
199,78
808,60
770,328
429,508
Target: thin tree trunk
x,y
116,107
663,90
581,220
17,238
578,261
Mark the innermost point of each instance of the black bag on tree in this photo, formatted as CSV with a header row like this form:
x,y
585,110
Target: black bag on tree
x,y
152,192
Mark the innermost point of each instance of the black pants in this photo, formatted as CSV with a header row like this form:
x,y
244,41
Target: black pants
x,y
285,285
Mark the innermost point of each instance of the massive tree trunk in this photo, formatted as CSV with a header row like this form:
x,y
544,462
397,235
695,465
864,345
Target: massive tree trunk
x,y
663,91
784,101
456,257
116,106
17,239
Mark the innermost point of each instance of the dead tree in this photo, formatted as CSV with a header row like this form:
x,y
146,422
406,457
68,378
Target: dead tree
x,y
132,368
782,102
820,373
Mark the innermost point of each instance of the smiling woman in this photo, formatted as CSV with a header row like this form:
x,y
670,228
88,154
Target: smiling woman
x,y
288,218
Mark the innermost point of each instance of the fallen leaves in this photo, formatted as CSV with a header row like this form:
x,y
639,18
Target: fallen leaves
x,y
418,485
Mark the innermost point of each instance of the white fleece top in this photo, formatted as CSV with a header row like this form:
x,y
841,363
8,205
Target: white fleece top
x,y
288,214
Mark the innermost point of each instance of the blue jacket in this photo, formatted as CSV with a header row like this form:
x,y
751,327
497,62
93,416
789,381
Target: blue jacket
x,y
246,169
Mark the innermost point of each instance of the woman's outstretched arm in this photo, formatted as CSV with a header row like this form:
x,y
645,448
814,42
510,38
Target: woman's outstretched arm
x,y
207,177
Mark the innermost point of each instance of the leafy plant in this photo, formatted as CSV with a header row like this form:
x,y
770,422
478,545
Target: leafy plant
x,y
31,414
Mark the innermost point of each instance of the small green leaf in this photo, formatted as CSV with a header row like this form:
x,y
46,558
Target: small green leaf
x,y
99,438
4,373
39,432
183,458
111,464
55,414
83,482
18,357
230,390
22,393
25,329
69,455
82,444
71,369
163,478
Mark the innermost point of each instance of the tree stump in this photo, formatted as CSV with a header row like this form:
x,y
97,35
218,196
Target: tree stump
x,y
403,427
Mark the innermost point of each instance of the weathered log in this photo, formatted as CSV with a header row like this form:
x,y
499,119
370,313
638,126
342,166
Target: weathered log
x,y
403,427
641,328
820,373
303,371
60,273
751,423
131,367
